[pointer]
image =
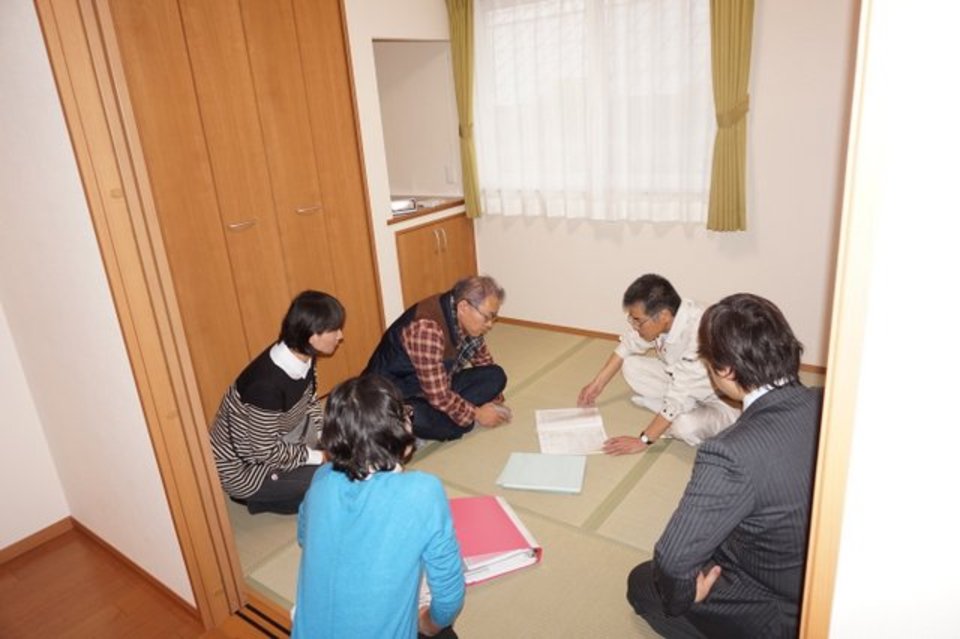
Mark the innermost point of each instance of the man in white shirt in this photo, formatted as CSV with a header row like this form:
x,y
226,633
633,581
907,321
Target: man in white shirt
x,y
674,384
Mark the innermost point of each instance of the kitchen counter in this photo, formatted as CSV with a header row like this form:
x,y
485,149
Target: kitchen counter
x,y
424,205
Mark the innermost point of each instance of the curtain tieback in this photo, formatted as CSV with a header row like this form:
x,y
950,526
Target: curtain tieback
x,y
731,117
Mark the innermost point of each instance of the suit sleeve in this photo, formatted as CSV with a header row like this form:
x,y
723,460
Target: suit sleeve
x,y
719,496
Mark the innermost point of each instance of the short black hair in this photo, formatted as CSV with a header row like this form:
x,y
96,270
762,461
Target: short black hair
x,y
750,336
310,312
366,428
654,292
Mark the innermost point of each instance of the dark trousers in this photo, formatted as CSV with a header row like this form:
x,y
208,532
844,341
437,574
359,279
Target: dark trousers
x,y
446,633
477,385
281,492
642,595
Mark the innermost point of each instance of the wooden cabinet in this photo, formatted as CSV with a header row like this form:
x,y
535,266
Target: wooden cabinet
x,y
434,256
245,117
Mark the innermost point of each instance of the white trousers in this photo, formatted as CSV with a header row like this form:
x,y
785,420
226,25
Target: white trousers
x,y
649,380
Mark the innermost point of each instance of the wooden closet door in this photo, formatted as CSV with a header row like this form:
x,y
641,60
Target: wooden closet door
x,y
222,76
160,82
302,212
246,113
333,130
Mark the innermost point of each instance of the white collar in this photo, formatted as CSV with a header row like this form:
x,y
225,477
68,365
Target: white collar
x,y
757,393
288,362
396,469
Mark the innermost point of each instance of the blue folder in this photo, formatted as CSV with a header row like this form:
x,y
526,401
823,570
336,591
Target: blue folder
x,y
549,473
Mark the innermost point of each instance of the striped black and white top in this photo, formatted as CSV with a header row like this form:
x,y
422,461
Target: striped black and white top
x,y
267,422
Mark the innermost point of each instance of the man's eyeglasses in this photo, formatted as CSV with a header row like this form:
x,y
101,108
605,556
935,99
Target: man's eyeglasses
x,y
488,318
637,322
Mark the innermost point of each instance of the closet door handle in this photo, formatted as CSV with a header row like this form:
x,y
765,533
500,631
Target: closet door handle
x,y
309,210
443,232
436,239
241,226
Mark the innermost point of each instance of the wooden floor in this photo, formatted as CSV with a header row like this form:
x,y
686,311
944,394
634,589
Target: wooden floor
x,y
73,587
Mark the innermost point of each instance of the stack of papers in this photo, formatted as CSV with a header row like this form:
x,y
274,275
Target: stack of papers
x,y
570,431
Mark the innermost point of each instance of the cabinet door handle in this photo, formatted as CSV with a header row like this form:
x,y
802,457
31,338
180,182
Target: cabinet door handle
x,y
240,226
309,210
436,239
443,232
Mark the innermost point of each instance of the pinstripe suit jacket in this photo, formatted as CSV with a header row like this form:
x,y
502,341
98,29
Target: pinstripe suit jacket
x,y
747,509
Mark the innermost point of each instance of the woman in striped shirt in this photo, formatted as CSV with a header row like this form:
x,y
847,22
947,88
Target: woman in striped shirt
x,y
265,433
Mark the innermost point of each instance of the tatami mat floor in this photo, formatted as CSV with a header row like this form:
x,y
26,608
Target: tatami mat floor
x,y
590,541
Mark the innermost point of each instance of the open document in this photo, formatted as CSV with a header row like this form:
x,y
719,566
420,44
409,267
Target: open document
x,y
570,431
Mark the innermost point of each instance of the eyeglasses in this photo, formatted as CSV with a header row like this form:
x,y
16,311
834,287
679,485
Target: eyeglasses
x,y
488,318
637,323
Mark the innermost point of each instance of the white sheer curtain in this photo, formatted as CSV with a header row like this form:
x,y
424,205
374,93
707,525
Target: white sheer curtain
x,y
598,109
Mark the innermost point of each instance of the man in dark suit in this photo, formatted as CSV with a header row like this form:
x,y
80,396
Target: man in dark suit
x,y
730,562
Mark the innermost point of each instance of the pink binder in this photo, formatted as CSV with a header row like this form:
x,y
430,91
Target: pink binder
x,y
493,540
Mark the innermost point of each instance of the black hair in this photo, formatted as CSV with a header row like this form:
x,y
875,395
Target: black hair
x,y
654,292
310,312
750,336
366,428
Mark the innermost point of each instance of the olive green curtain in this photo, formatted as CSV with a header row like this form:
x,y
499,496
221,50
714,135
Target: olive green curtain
x,y
731,34
460,14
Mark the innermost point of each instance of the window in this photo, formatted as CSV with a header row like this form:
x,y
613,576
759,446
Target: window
x,y
597,109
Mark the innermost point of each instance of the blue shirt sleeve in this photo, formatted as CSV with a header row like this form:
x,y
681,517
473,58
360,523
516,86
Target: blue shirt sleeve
x,y
443,564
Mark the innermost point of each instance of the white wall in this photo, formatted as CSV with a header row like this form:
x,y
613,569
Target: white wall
x,y
418,108
29,485
54,293
895,574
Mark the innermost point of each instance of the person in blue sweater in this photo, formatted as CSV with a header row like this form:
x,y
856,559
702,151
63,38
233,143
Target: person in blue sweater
x,y
368,528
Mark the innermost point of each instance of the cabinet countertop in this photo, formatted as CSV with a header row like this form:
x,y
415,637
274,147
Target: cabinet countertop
x,y
436,203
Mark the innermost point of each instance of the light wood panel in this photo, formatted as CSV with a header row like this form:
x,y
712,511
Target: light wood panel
x,y
418,252
216,46
459,248
302,213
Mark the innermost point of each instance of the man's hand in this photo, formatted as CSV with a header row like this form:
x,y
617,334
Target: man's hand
x,y
425,624
623,445
589,394
491,415
705,583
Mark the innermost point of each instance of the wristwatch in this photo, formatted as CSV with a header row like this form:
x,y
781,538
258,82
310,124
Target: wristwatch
x,y
646,441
